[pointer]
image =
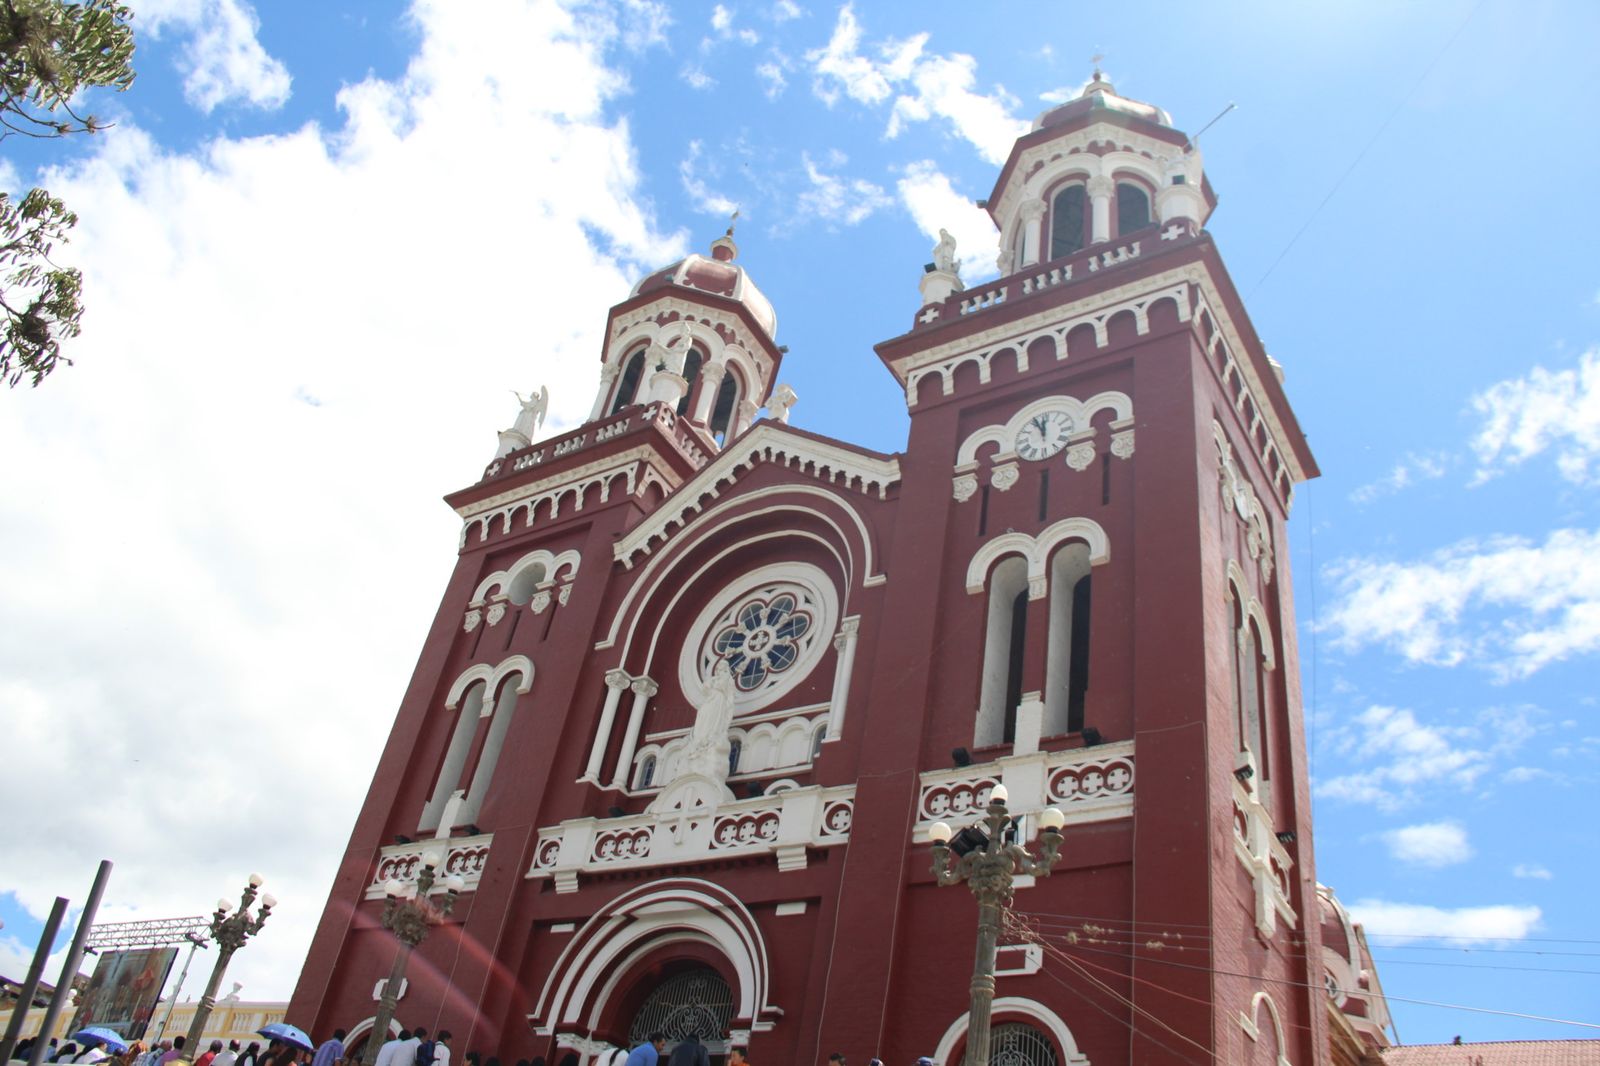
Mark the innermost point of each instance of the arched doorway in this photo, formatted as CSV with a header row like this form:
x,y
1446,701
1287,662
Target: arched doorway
x,y
692,1002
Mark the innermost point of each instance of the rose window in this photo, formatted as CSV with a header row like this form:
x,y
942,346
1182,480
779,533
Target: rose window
x,y
764,639
771,626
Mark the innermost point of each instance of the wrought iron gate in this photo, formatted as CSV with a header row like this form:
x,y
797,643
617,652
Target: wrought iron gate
x,y
693,1003
1018,1044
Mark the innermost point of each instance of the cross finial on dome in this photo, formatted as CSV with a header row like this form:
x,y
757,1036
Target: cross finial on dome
x,y
1097,81
723,249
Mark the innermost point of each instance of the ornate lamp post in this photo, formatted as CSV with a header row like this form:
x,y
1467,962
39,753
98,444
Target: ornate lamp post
x,y
987,862
409,914
230,932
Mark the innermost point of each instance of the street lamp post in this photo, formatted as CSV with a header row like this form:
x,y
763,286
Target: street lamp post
x,y
409,914
987,862
230,932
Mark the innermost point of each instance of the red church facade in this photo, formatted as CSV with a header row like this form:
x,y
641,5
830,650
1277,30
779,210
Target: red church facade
x,y
700,684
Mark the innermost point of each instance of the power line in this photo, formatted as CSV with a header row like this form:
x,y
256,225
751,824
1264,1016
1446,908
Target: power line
x,y
1365,149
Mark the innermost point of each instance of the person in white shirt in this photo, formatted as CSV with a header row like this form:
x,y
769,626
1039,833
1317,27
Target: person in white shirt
x,y
406,1054
228,1057
441,1048
389,1053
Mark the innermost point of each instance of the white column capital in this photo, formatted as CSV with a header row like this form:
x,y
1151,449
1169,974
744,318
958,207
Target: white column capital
x,y
1032,210
643,686
617,679
1100,186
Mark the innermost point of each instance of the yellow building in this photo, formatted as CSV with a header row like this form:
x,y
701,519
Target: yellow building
x,y
232,1019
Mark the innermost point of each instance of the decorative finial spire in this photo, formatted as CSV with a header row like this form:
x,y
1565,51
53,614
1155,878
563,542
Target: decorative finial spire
x,y
723,249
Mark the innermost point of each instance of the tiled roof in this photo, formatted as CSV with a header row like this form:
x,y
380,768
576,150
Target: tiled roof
x,y
1497,1053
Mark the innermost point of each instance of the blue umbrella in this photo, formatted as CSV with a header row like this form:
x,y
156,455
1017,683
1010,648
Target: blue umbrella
x,y
96,1034
288,1034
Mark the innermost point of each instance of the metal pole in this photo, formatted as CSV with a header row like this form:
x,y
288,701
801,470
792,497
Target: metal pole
x,y
202,1010
387,1003
30,984
69,968
172,1001
990,881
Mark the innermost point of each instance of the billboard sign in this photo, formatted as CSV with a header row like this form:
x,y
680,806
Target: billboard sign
x,y
123,992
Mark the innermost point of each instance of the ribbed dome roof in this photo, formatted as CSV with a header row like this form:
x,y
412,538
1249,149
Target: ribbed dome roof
x,y
1097,95
717,274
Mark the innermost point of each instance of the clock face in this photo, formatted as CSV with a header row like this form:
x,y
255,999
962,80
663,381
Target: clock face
x,y
1044,435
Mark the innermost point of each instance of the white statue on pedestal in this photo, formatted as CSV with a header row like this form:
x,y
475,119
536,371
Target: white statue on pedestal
x,y
701,775
944,253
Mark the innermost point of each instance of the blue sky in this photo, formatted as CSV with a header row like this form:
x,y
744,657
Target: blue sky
x,y
325,238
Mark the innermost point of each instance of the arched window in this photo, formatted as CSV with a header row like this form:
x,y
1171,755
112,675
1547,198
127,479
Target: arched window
x,y
691,374
524,584
1004,642
1067,221
628,385
722,410
455,758
505,705
816,741
1249,682
647,772
1067,662
735,749
1133,208
1017,1044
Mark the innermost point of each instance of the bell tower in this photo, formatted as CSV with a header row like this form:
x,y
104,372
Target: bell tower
x,y
1117,459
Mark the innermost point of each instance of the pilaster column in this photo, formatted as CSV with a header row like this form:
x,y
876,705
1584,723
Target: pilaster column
x,y
608,374
1100,190
746,415
711,374
643,688
616,684
1032,232
844,643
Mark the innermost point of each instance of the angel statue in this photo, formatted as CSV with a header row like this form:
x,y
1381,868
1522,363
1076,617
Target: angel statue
x,y
944,253
531,417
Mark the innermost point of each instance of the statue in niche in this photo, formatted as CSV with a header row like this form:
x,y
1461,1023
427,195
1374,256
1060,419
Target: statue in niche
x,y
944,253
531,417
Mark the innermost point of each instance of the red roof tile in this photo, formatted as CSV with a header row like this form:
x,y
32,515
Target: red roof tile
x,y
1497,1053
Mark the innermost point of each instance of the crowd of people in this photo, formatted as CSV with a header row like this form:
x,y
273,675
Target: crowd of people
x,y
412,1047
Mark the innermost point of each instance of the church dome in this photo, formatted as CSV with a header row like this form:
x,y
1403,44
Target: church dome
x,y
1100,95
716,274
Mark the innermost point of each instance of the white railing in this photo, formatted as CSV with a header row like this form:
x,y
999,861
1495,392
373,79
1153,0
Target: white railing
x,y
463,856
1087,784
785,824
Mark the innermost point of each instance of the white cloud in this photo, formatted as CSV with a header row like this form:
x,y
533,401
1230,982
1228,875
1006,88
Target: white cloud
x,y
1537,873
1545,410
1429,844
942,86
222,61
1462,925
786,10
641,24
772,73
721,19
243,569
1408,754
692,171
934,203
697,77
1506,604
838,200
1406,473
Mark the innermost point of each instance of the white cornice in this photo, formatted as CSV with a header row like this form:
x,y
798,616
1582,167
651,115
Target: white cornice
x,y
1076,142
1019,332
764,443
613,463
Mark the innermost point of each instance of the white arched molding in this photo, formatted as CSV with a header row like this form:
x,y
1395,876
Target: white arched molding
x,y
1036,552
1251,1024
492,676
1016,1008
365,1025
599,956
852,532
1239,592
556,568
710,342
1082,413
